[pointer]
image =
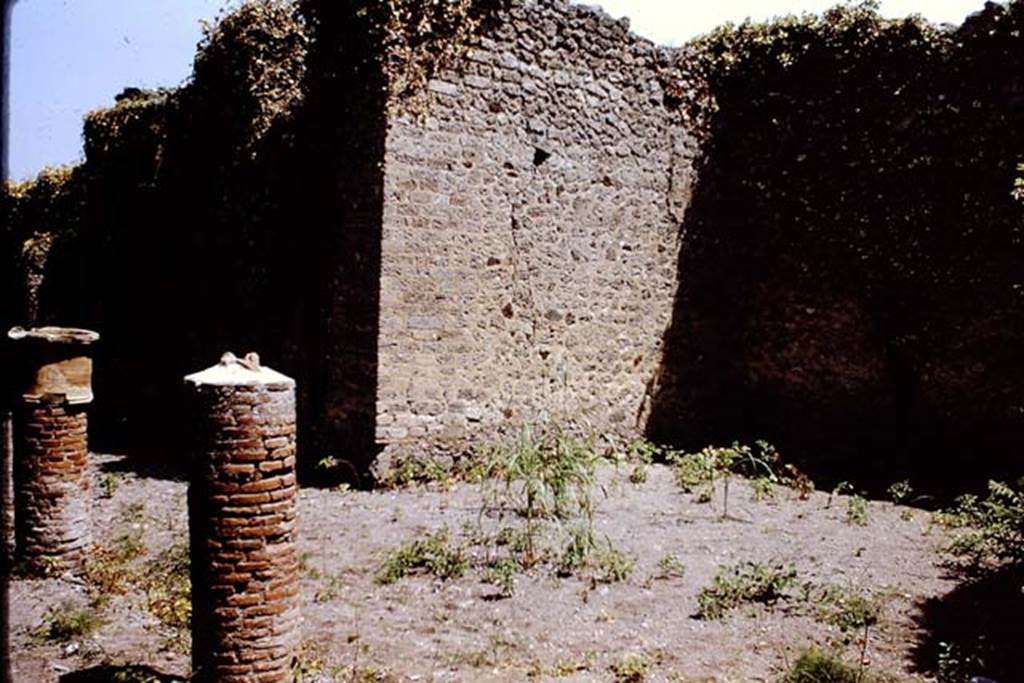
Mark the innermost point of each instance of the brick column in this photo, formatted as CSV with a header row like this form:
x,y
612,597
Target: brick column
x,y
53,376
6,485
52,494
242,503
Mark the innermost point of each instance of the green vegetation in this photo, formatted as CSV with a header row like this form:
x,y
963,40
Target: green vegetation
x,y
699,472
613,565
133,513
763,488
638,475
168,589
900,492
853,613
331,588
433,554
501,572
418,39
110,571
567,666
816,666
108,483
418,470
138,674
543,479
577,553
957,663
544,475
749,582
630,669
857,510
669,567
538,489
68,621
994,526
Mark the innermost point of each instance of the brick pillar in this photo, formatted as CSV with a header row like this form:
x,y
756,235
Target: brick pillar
x,y
242,504
52,491
52,374
6,485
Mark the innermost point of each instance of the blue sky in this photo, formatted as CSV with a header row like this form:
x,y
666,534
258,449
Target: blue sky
x,y
69,57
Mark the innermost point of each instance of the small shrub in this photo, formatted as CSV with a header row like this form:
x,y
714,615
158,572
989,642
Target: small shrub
x,y
996,526
418,471
109,570
630,669
749,582
957,663
697,472
815,666
168,589
763,488
501,572
544,476
852,613
695,469
108,483
331,588
576,555
567,666
614,565
431,553
669,567
304,565
133,513
638,475
644,451
67,621
900,492
857,511
540,477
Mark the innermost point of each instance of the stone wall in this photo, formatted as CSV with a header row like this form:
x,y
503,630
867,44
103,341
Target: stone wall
x,y
530,231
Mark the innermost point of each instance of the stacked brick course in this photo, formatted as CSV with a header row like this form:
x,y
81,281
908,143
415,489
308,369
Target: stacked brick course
x,y
52,373
6,485
52,496
242,506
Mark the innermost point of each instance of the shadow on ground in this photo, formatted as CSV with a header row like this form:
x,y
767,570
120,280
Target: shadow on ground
x,y
974,630
107,674
157,463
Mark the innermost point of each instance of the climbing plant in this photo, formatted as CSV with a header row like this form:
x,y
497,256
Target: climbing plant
x,y
414,39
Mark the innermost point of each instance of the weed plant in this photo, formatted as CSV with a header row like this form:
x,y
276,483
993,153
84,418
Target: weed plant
x,y
670,567
900,492
857,510
433,554
815,666
746,583
630,669
331,588
538,488
168,588
698,472
994,527
419,471
68,621
108,483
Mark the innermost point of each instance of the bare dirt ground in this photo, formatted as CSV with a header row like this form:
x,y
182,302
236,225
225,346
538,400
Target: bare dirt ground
x,y
574,628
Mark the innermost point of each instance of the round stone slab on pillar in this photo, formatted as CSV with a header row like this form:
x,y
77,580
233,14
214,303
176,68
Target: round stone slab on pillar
x,y
52,378
242,506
